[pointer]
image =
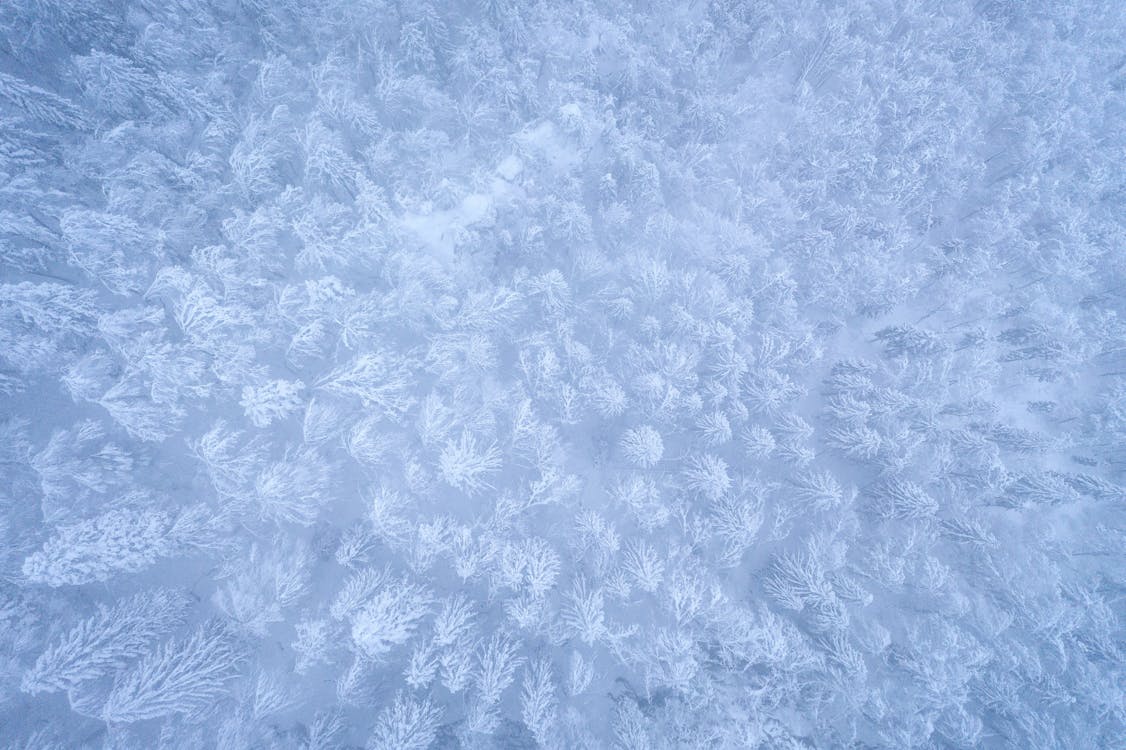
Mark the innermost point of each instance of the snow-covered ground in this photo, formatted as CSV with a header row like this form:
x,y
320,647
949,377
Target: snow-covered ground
x,y
505,374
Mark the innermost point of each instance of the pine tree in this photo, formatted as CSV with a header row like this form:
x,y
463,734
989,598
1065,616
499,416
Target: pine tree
x,y
106,642
186,676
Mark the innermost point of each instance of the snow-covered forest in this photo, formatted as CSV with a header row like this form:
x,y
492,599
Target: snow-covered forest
x,y
562,374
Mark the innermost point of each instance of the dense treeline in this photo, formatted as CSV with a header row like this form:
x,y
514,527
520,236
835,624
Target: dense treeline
x,y
568,375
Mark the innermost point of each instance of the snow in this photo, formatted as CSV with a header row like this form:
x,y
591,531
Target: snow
x,y
557,375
